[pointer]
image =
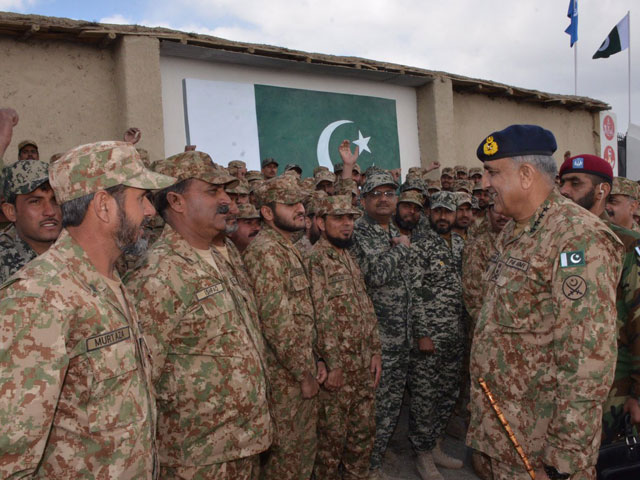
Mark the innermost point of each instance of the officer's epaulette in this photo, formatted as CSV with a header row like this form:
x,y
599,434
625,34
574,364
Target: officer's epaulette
x,y
536,224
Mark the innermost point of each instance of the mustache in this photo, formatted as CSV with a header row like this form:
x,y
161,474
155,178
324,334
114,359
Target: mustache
x,y
222,209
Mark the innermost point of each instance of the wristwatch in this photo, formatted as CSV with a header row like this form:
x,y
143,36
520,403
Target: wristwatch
x,y
554,474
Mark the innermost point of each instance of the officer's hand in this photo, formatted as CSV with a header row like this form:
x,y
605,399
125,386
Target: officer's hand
x,y
132,135
321,376
433,166
425,345
8,119
376,369
632,407
401,240
348,158
335,380
309,386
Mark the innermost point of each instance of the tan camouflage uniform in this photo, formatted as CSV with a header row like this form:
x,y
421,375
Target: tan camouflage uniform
x,y
545,341
347,340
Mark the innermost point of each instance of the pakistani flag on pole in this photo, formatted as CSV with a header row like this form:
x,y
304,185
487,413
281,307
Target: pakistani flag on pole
x,y
617,40
237,121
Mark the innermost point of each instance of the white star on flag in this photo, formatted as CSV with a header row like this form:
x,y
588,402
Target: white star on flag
x,y
362,142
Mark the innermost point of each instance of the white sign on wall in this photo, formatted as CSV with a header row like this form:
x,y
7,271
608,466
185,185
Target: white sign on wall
x,y
609,139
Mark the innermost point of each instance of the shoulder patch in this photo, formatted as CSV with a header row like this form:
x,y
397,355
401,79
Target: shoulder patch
x,y
572,259
574,287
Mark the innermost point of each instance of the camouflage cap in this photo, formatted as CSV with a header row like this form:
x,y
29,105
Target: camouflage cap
x,y
319,168
624,186
267,161
462,186
462,198
24,177
460,168
253,175
477,186
313,200
97,166
412,196
293,166
282,189
308,184
237,164
24,143
377,179
194,164
414,183
337,205
475,171
324,176
240,188
433,184
372,169
246,211
255,185
447,171
444,199
144,157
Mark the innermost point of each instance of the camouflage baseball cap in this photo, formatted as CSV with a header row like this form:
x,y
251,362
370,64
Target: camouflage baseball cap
x,y
23,177
313,200
414,183
319,168
282,189
376,179
97,166
447,171
412,196
475,171
253,175
433,184
460,168
337,205
255,185
414,172
24,143
194,164
308,184
246,211
477,186
324,176
267,161
293,166
237,164
624,186
462,186
444,199
144,157
240,188
462,198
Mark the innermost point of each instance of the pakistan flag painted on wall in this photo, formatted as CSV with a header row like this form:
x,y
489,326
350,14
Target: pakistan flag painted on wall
x,y
306,127
237,121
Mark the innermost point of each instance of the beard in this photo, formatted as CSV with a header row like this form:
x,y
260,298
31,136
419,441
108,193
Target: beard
x,y
588,200
128,238
286,225
340,242
440,228
405,224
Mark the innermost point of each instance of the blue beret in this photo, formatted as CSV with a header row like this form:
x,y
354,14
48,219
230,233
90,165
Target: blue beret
x,y
517,140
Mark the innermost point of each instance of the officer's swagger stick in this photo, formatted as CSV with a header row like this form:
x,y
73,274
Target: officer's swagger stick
x,y
507,427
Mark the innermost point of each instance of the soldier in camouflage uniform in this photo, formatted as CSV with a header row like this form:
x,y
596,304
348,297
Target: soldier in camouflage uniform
x,y
436,358
545,339
348,342
409,216
75,371
446,179
238,169
622,203
384,257
213,417
283,294
587,179
35,215
249,225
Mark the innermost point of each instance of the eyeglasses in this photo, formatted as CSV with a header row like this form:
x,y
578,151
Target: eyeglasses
x,y
387,194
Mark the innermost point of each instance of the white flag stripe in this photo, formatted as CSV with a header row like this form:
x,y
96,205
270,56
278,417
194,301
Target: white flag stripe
x,y
563,259
222,121
623,32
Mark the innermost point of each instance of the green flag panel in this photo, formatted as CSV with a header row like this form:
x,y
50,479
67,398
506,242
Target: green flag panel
x,y
306,127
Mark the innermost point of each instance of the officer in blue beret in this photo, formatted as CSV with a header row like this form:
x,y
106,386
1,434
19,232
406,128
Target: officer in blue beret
x,y
545,338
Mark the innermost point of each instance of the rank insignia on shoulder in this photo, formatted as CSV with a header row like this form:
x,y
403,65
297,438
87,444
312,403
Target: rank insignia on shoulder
x,y
572,259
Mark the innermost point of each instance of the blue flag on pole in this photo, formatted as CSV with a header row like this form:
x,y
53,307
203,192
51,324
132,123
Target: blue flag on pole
x,y
572,29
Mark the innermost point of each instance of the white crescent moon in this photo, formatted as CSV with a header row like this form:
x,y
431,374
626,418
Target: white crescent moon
x,y
324,159
575,258
604,45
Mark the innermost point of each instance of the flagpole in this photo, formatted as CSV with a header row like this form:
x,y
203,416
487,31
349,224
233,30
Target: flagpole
x,y
575,68
629,68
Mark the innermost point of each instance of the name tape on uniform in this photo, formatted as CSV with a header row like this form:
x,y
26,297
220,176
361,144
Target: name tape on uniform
x,y
208,291
572,259
109,338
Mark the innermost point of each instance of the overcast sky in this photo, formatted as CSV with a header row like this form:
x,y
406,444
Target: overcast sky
x,y
518,42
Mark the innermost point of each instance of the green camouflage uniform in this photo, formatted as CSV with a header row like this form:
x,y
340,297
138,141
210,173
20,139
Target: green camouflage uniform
x,y
285,307
434,379
391,284
627,375
545,340
75,371
347,340
14,253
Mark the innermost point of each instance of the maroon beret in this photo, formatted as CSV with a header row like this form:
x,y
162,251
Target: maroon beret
x,y
588,164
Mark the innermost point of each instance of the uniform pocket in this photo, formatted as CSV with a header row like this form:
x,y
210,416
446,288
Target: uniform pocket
x,y
117,392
